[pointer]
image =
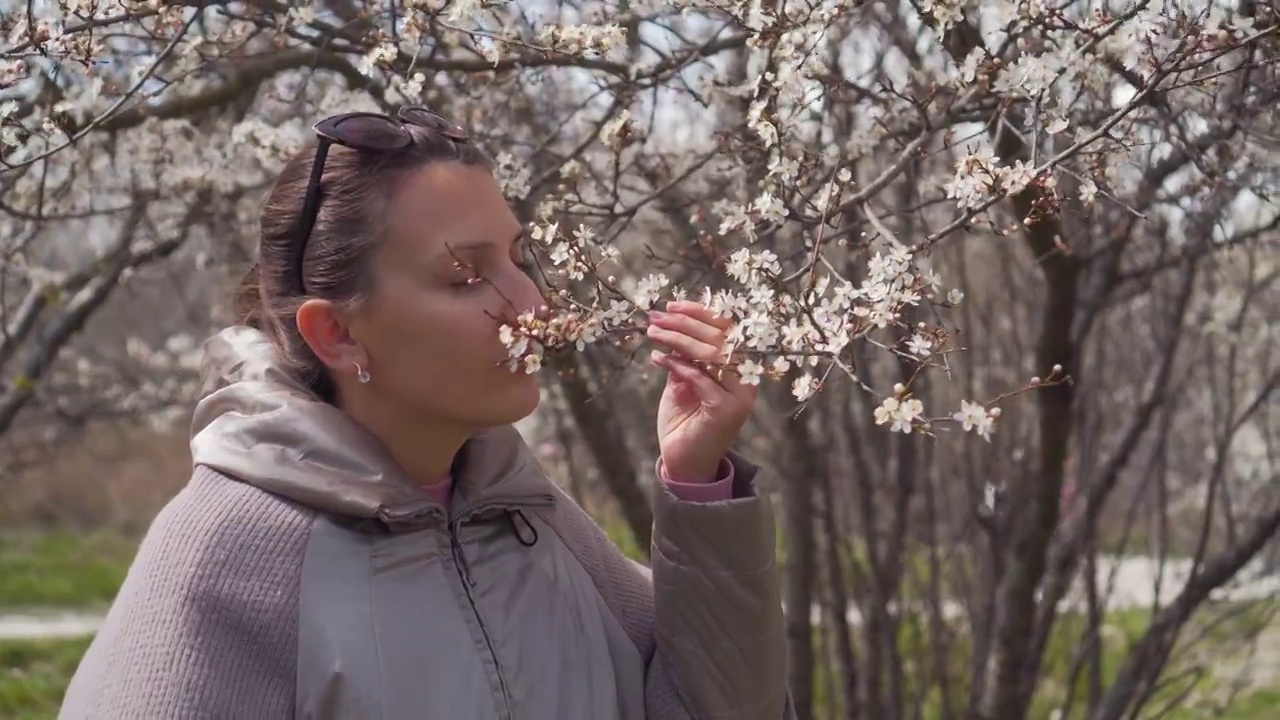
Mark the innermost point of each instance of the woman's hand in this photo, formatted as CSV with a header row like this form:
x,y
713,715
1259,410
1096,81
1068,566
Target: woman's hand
x,y
699,415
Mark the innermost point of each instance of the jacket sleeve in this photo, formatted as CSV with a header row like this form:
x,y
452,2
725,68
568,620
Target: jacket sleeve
x,y
720,647
206,622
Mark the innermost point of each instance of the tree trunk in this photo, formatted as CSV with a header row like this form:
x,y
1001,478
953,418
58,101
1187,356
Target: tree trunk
x,y
608,446
800,571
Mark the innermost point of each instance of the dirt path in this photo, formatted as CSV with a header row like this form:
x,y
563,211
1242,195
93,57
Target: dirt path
x,y
50,625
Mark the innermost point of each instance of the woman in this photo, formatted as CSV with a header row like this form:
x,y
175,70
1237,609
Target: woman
x,y
366,536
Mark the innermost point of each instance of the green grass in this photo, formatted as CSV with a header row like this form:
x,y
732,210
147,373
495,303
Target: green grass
x,y
616,528
34,676
1256,705
62,569
1219,631
1259,705
1217,635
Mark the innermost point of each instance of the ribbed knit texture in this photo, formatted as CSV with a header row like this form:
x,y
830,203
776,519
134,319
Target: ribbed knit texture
x,y
210,610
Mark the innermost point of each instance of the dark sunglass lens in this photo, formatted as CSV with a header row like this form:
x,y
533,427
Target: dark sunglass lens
x,y
428,119
370,132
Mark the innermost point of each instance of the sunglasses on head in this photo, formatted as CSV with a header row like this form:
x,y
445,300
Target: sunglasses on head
x,y
363,132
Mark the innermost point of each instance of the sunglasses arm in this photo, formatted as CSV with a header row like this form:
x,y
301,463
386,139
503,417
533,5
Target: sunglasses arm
x,y
310,206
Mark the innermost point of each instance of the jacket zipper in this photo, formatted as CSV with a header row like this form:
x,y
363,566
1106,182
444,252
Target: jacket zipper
x,y
464,574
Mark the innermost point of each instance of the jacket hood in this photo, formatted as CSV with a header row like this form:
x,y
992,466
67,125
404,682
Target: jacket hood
x,y
258,424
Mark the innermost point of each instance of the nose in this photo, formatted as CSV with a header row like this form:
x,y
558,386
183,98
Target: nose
x,y
523,293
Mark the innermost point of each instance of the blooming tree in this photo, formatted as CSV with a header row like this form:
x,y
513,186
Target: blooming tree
x,y
826,173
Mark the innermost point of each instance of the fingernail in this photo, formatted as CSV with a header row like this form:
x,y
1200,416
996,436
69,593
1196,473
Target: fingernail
x,y
657,315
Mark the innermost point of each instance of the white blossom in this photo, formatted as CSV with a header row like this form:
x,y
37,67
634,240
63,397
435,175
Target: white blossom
x,y
1088,191
973,417
899,413
919,346
803,387
647,292
750,372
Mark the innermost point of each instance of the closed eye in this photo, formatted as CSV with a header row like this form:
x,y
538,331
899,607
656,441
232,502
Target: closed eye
x,y
474,261
523,260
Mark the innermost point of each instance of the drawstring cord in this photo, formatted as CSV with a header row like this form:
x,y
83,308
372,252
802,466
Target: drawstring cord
x,y
521,535
528,537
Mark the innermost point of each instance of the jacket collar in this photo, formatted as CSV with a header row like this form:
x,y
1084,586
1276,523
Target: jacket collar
x,y
257,423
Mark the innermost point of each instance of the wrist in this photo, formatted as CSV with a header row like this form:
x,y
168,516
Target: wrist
x,y
689,473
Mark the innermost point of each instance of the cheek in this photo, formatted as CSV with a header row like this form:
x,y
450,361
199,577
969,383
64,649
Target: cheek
x,y
409,314
452,333
400,326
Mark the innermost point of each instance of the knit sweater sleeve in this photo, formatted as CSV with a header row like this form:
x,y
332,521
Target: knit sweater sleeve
x,y
205,624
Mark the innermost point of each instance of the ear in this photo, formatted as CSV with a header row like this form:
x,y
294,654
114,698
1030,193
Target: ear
x,y
327,330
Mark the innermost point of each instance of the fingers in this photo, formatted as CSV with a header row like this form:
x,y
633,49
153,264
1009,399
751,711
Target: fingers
x,y
700,343
689,329
689,325
706,386
685,345
701,312
696,340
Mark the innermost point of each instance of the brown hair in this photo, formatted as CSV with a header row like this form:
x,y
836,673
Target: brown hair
x,y
357,188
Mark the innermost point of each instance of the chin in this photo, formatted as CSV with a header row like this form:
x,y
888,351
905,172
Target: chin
x,y
516,401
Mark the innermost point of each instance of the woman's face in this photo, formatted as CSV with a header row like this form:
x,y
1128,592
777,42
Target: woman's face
x,y
428,328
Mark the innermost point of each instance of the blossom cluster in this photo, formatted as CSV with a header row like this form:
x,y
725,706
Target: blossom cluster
x,y
795,328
